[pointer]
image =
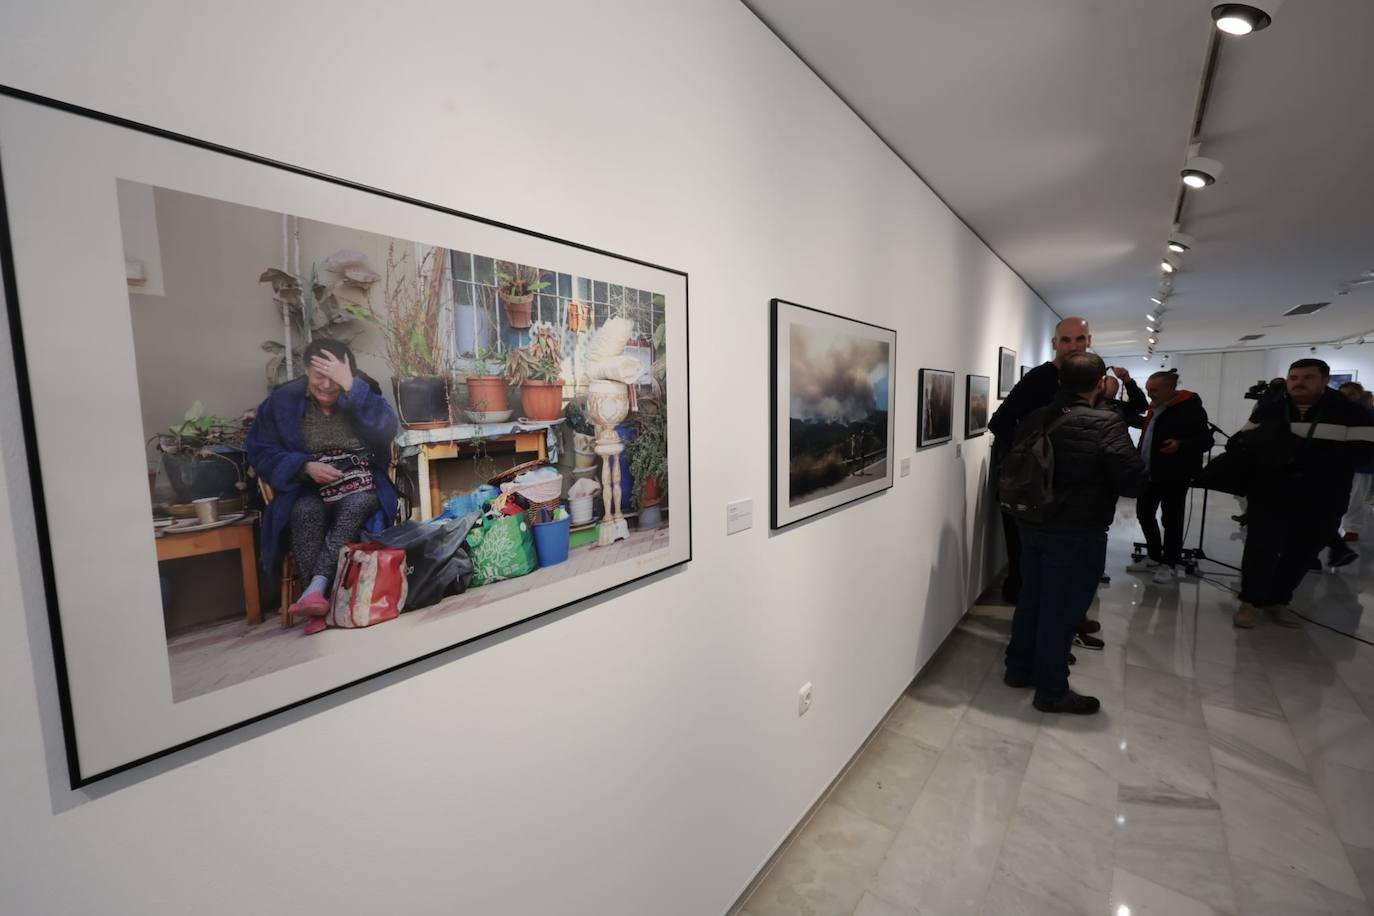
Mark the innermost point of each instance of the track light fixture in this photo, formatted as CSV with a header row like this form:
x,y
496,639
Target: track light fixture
x,y
1180,242
1167,266
1199,172
1242,18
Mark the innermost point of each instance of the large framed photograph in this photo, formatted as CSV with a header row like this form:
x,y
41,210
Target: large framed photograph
x,y
977,395
1006,371
287,432
935,408
832,411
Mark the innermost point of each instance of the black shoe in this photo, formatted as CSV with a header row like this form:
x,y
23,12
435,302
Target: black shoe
x,y
1017,680
1072,659
1084,641
1070,704
1339,558
1089,626
1242,519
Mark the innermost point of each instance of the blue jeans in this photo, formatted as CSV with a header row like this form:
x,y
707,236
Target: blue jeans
x,y
1060,572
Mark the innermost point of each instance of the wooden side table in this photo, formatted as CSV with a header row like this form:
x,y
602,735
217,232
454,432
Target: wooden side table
x,y
535,443
238,536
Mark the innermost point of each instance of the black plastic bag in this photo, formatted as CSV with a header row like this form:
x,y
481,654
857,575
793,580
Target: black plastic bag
x,y
437,560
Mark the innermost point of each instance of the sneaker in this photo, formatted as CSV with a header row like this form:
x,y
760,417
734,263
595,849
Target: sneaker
x,y
1089,626
1084,641
1284,616
1070,704
1352,535
1164,575
1144,564
1339,558
1017,680
1247,616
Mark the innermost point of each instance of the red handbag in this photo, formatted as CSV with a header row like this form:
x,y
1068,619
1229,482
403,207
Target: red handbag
x,y
369,586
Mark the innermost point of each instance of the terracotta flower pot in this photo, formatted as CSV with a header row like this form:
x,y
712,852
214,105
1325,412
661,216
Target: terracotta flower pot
x,y
542,400
650,491
487,393
519,309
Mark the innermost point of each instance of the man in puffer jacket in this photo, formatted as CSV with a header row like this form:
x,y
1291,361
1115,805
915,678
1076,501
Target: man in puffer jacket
x,y
1301,486
1175,435
1062,556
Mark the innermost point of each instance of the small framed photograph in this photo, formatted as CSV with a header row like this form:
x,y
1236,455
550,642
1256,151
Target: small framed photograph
x,y
936,408
977,394
1006,371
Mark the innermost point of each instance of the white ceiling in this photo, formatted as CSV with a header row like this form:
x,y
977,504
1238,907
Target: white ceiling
x,y
1056,129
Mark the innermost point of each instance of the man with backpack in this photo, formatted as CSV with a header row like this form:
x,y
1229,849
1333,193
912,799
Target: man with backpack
x,y
1302,449
1070,462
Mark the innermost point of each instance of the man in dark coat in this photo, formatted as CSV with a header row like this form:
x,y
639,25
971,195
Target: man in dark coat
x,y
1312,440
1175,434
1063,555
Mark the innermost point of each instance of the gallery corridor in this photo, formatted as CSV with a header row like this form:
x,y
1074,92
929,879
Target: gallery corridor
x,y
1229,771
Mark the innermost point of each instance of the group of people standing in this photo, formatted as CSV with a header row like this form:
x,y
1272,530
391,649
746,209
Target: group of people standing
x,y
1310,442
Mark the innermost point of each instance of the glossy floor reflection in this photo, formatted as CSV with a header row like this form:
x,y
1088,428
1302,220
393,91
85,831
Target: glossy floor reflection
x,y
1230,771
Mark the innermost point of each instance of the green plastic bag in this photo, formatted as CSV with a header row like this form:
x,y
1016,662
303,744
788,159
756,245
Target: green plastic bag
x,y
502,549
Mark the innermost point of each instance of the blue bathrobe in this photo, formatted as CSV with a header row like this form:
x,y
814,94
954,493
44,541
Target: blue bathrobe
x,y
277,450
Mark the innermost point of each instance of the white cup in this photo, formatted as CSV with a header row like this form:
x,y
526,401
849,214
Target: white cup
x,y
207,509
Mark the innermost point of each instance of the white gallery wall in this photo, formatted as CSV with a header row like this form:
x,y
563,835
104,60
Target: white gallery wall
x,y
637,754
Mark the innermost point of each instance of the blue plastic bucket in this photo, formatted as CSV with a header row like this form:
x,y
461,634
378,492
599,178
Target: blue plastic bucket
x,y
551,541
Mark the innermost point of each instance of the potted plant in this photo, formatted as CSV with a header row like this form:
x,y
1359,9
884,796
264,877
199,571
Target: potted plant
x,y
649,460
583,433
414,333
486,385
320,309
204,456
537,368
517,284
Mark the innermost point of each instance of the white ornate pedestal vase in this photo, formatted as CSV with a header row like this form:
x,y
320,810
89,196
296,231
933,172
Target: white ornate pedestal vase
x,y
608,403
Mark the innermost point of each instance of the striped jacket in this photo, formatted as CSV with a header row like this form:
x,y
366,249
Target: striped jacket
x,y
1334,438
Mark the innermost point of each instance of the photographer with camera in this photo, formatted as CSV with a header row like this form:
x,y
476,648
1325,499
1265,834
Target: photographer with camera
x,y
1301,450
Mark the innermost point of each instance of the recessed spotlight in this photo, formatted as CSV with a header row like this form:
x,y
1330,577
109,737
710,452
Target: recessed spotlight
x,y
1240,18
1199,172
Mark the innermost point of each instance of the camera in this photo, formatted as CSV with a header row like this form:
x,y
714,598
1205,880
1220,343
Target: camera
x,y
1258,390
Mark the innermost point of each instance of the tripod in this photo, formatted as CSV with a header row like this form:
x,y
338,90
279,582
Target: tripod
x,y
1192,556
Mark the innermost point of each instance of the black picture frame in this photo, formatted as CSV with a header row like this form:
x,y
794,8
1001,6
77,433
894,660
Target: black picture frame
x,y
783,512
1024,370
972,429
29,425
1006,369
938,428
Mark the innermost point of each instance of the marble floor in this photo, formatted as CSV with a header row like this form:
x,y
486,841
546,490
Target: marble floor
x,y
1229,772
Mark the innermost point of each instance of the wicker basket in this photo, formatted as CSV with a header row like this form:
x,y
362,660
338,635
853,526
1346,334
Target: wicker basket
x,y
532,513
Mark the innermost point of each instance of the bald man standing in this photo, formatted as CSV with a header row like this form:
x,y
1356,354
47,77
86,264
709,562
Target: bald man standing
x,y
1035,389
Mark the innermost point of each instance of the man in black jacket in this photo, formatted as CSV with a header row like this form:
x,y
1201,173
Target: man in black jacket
x,y
1175,435
1063,555
1311,441
1037,388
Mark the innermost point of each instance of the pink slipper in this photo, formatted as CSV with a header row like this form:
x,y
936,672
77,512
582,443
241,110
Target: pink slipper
x,y
314,625
312,605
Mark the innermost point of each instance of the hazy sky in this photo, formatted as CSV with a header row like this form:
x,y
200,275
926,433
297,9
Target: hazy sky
x,y
837,376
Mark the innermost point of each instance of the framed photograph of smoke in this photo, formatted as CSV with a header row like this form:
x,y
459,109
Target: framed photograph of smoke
x,y
246,388
832,427
976,397
1006,371
935,407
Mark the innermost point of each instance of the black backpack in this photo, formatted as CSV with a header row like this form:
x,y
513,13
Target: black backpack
x,y
1025,485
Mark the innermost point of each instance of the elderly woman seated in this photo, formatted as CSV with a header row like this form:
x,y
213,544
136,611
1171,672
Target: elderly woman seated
x,y
323,442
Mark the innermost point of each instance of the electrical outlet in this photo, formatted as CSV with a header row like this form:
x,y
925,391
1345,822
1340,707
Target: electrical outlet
x,y
804,699
906,467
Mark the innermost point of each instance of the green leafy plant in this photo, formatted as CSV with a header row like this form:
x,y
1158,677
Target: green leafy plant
x,y
199,429
540,360
486,362
514,280
411,323
319,309
649,448
576,414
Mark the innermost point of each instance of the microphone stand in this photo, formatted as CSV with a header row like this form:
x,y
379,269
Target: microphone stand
x,y
1191,557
